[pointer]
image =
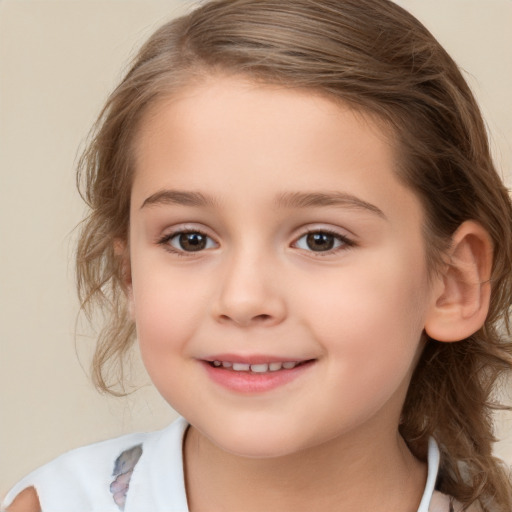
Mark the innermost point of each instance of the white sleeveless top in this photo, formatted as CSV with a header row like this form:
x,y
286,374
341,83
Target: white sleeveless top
x,y
80,480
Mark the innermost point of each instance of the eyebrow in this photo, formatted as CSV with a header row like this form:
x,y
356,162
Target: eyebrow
x,y
284,200
180,197
319,199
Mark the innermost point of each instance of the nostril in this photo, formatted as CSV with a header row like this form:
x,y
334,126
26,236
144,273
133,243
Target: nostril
x,y
262,318
257,319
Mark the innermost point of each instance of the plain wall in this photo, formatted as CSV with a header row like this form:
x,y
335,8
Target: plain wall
x,y
58,60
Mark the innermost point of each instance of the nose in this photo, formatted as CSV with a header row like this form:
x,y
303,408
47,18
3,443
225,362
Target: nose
x,y
250,294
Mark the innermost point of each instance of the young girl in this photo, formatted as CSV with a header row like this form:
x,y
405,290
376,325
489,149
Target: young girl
x,y
294,211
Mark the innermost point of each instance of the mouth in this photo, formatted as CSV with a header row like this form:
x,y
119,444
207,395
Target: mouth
x,y
259,368
256,374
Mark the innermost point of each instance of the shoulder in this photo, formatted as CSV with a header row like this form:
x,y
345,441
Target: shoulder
x,y
96,477
26,501
83,474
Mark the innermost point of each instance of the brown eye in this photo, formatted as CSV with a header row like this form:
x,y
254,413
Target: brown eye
x,y
191,241
322,241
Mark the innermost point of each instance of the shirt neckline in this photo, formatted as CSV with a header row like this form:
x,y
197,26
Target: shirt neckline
x,y
152,487
433,459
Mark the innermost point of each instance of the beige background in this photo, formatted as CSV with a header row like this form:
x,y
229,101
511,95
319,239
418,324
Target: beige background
x,y
58,60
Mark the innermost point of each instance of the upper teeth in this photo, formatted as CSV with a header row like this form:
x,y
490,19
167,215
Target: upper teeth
x,y
256,368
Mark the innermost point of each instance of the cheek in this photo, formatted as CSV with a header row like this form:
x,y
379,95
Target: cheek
x,y
166,309
370,319
164,319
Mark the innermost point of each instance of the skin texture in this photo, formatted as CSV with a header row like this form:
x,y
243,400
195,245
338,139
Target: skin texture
x,y
358,311
227,160
26,501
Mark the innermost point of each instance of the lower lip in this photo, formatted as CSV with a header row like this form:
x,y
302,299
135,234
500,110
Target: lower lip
x,y
248,382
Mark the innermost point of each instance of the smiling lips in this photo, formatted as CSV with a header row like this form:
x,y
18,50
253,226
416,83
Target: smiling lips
x,y
257,368
254,377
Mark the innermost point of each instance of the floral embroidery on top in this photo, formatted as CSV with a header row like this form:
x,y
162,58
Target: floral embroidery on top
x,y
123,469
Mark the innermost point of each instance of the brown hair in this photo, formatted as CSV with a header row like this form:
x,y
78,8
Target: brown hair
x,y
380,59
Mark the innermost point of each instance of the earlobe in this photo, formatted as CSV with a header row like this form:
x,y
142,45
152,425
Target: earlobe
x,y
461,302
122,252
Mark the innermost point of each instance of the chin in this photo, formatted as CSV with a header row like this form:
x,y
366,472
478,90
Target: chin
x,y
255,442
257,448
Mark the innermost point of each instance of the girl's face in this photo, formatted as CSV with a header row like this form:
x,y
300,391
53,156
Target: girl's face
x,y
279,282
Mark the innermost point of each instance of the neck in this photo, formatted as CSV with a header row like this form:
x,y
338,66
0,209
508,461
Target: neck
x,y
356,472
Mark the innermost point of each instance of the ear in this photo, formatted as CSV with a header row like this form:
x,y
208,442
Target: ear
x,y
122,252
461,299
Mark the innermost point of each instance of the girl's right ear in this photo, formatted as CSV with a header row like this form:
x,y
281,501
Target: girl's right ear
x,y
122,253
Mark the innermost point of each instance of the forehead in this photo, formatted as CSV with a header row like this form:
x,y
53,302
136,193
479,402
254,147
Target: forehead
x,y
228,135
211,101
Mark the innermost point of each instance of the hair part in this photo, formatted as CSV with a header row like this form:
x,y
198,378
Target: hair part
x,y
378,58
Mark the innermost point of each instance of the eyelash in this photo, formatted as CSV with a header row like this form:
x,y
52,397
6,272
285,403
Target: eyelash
x,y
166,239
345,243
